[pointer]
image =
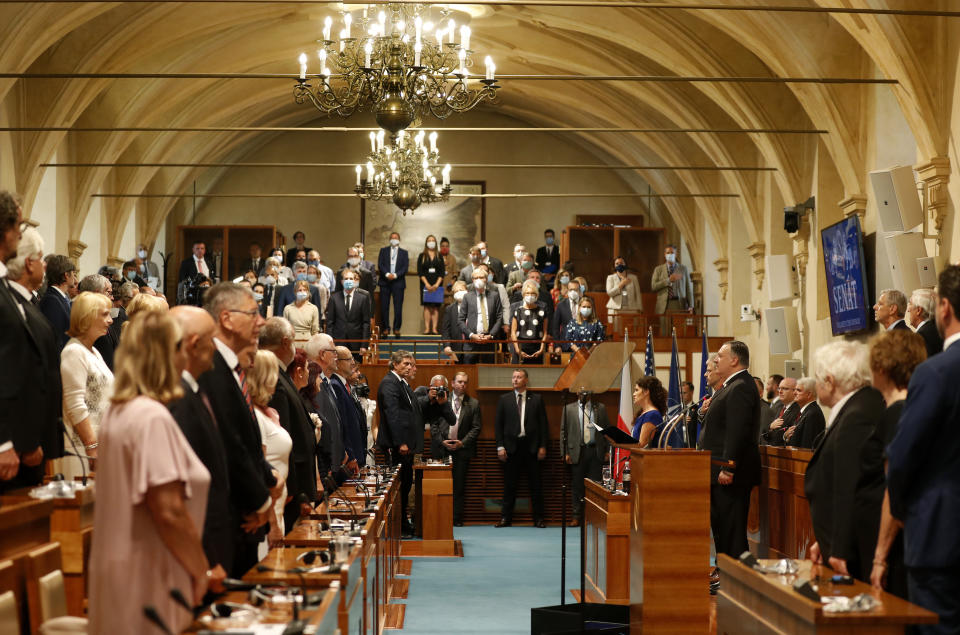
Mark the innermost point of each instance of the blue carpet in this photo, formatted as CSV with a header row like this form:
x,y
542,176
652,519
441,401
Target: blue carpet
x,y
504,573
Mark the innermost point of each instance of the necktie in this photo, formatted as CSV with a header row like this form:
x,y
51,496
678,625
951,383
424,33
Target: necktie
x,y
206,404
587,428
782,410
456,413
482,301
520,413
349,301
245,390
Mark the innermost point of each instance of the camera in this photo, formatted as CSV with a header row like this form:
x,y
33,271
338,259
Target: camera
x,y
440,390
191,290
361,391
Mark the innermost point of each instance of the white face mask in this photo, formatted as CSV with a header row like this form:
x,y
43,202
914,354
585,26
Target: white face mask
x,y
671,258
142,253
530,299
395,242
573,295
431,245
459,296
302,295
480,284
585,311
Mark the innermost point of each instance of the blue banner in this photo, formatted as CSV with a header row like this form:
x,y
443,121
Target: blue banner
x,y
845,271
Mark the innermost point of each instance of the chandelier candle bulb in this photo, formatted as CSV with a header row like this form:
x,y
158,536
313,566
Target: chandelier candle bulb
x,y
359,170
418,25
373,142
465,37
451,29
303,66
369,171
446,174
367,52
347,21
433,141
488,62
462,54
417,49
327,24
380,139
382,20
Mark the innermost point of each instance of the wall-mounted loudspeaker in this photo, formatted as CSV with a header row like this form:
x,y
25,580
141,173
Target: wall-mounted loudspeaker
x,y
927,271
898,202
782,330
793,368
903,251
782,278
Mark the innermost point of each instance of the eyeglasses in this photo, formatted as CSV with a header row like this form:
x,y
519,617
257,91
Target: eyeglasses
x,y
251,312
344,359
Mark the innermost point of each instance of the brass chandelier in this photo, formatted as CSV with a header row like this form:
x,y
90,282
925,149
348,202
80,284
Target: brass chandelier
x,y
404,171
399,64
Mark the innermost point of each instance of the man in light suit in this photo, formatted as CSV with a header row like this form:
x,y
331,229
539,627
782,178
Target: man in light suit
x,y
393,263
890,309
457,439
922,479
671,281
586,448
521,434
623,290
348,313
920,310
811,422
481,319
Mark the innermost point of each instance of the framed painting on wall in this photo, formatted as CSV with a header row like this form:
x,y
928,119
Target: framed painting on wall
x,y
462,220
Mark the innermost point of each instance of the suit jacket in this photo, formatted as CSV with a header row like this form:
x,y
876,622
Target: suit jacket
x,y
901,324
548,259
48,409
467,433
775,437
332,444
617,301
353,421
507,422
574,431
660,282
188,268
56,308
810,425
401,415
469,312
832,475
247,265
250,474
301,480
292,254
221,518
731,428
22,356
931,337
561,316
383,264
107,344
354,325
922,475
496,268
450,327
282,296
366,280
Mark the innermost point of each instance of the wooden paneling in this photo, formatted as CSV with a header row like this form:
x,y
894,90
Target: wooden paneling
x,y
782,509
607,523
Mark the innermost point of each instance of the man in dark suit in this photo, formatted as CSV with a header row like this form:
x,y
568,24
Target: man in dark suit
x,y
920,310
393,263
349,312
521,432
786,418
457,438
277,336
586,448
450,323
255,262
195,417
481,319
365,279
55,303
835,470
252,481
352,416
922,479
731,430
495,265
332,454
566,310
810,423
196,263
401,423
890,309
299,244
282,296
548,257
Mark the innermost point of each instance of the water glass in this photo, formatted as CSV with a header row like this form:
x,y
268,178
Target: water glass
x,y
607,477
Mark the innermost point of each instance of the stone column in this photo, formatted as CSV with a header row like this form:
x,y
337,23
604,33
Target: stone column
x,y
116,262
855,204
75,249
757,251
697,279
935,176
723,268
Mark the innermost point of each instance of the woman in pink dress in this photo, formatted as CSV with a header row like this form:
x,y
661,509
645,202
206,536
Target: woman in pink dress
x,y
151,492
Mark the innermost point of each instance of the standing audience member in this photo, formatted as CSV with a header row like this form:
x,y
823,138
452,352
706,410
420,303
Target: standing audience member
x,y
623,289
787,417
493,264
303,314
366,280
450,323
288,294
393,263
431,273
481,320
55,303
672,284
585,329
529,327
152,494
349,313
299,244
920,310
196,264
810,422
521,434
366,265
322,352
317,284
518,250
587,448
565,310
450,268
255,262
837,465
106,343
893,357
548,257
148,268
922,477
352,417
650,400
890,309
458,439
87,381
515,279
473,261
561,286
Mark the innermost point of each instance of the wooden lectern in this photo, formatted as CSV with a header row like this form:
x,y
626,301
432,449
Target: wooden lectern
x,y
434,514
669,541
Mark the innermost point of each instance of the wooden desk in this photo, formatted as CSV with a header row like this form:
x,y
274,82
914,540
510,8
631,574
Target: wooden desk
x,y
72,526
434,511
606,521
751,603
786,530
24,526
323,618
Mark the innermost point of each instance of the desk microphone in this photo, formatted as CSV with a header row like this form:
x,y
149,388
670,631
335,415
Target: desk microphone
x,y
178,597
150,612
330,488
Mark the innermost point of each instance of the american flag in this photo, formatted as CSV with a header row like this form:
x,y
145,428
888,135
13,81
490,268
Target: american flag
x,y
649,368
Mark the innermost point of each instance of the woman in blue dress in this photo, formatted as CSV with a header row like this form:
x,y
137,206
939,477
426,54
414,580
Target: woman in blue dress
x,y
651,400
584,330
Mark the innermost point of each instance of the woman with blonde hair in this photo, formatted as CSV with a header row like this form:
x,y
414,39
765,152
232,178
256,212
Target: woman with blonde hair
x,y
262,382
560,284
528,327
151,492
144,303
584,329
87,381
302,314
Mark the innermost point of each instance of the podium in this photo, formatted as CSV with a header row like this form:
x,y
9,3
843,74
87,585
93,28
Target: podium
x,y
669,541
434,514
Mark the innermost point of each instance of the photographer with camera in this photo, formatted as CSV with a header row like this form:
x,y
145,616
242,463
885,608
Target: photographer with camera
x,y
458,438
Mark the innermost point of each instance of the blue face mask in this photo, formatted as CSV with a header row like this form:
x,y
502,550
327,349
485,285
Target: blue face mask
x,y
301,276
490,277
583,289
349,284
311,277
315,263
258,297
131,274
302,295
565,280
549,240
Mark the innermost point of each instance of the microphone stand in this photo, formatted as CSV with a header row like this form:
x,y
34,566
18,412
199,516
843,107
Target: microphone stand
x,y
80,457
563,498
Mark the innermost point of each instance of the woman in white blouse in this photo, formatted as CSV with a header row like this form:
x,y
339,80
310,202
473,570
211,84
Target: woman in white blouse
x,y
262,382
87,381
302,314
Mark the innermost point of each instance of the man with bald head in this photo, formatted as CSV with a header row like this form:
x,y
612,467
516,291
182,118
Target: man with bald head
x,y
193,414
787,417
352,418
332,455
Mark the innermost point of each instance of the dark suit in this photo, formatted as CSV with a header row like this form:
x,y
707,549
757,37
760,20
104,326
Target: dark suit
x,y
332,445
521,450
775,437
924,485
107,344
561,316
730,432
56,308
548,261
931,337
392,288
286,295
353,421
292,254
188,268
401,423
808,427
469,424
248,264
586,460
900,324
353,324
450,327
495,265
250,474
831,481
468,316
220,521
366,281
301,478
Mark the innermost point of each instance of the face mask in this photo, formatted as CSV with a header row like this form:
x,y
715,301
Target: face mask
x,y
459,296
431,245
527,265
489,277
353,262
311,277
301,276
302,295
483,253
270,280
349,284
395,242
573,295
142,254
131,274
258,297
565,280
315,263
444,250
530,299
620,268
480,284
585,311
583,289
671,258
361,254
549,240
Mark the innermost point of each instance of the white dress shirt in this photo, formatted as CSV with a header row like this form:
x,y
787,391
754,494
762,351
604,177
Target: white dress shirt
x,y
393,258
201,265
